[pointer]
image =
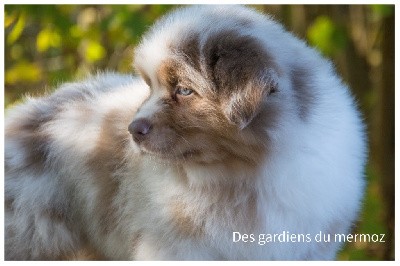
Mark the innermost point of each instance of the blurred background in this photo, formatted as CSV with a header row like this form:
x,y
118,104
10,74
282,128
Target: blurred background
x,y
46,45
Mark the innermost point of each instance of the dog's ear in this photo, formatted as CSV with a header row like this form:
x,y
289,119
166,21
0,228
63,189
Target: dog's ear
x,y
243,104
243,73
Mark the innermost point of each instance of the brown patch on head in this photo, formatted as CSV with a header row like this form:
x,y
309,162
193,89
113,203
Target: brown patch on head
x,y
189,50
108,157
243,71
235,59
168,73
179,71
304,94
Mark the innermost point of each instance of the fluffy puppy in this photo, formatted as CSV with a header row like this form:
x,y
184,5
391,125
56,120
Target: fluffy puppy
x,y
243,130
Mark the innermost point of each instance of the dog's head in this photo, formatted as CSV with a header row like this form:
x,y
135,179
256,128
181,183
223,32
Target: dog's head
x,y
211,78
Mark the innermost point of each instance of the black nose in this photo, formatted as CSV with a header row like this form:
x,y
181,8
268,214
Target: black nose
x,y
139,128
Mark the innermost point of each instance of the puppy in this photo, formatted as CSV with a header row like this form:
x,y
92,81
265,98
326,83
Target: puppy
x,y
242,131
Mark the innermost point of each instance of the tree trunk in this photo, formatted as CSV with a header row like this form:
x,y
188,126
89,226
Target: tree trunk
x,y
386,127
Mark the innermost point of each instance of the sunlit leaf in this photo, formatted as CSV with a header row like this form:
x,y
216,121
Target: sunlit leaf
x,y
75,31
94,51
9,19
47,38
17,29
23,71
326,36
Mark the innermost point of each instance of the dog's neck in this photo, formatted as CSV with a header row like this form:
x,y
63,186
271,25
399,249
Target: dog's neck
x,y
223,173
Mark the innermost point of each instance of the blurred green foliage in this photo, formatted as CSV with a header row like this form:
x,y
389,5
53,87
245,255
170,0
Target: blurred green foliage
x,y
328,37
49,44
383,10
371,222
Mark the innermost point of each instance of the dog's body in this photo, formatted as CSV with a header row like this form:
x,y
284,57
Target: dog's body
x,y
245,129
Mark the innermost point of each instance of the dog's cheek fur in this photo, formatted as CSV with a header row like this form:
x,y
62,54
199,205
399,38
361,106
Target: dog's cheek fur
x,y
183,124
186,126
200,129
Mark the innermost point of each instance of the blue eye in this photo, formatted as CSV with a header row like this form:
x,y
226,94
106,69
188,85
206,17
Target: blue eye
x,y
183,91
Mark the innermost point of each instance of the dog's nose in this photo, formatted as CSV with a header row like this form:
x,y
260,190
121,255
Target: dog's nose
x,y
139,128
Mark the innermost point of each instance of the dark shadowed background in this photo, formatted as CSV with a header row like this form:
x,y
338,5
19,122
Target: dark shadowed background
x,y
46,45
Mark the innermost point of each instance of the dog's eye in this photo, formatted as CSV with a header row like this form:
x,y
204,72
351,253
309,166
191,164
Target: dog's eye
x,y
183,91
